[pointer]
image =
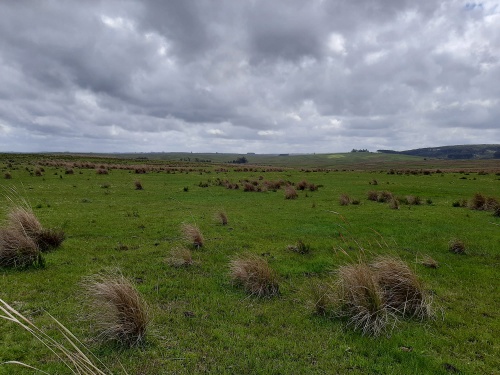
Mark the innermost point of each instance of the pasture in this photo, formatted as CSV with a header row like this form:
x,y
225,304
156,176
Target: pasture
x,y
202,321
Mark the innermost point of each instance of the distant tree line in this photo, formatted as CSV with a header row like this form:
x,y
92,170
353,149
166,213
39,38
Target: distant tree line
x,y
360,150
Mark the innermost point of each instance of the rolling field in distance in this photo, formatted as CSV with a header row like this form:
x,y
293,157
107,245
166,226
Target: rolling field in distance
x,y
202,322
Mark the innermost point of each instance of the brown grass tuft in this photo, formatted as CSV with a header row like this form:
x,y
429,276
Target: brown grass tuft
x,y
394,203
18,250
49,239
193,235
180,257
255,275
360,299
138,185
322,298
7,175
290,192
222,217
456,246
372,195
403,292
345,200
118,309
23,219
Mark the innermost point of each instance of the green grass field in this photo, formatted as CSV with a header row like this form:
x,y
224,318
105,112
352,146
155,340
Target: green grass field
x,y
202,322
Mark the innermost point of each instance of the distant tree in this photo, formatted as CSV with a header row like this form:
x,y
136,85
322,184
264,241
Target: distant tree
x,y
496,155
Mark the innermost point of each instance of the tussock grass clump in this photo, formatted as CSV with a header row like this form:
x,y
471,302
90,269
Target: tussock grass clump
x,y
221,217
180,257
255,275
478,202
456,246
18,250
384,196
372,195
192,234
117,309
345,200
402,291
394,203
360,299
413,200
290,192
102,170
138,185
7,175
23,220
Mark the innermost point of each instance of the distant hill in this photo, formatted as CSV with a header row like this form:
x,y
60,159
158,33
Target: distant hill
x,y
453,152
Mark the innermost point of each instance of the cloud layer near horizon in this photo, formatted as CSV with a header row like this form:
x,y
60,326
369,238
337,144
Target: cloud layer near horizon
x,y
247,76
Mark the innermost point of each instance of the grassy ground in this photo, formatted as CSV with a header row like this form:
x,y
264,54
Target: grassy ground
x,y
203,323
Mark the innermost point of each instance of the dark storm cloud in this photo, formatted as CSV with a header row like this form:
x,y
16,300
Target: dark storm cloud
x,y
281,76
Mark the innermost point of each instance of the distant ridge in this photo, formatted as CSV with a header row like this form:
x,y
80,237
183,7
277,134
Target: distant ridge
x,y
453,152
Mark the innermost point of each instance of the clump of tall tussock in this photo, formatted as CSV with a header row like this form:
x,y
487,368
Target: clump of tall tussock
x,y
345,200
255,275
138,185
360,299
192,234
180,257
371,296
18,250
221,217
70,351
117,309
290,192
322,299
402,290
429,262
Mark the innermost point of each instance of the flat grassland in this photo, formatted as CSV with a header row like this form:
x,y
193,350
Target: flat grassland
x,y
201,321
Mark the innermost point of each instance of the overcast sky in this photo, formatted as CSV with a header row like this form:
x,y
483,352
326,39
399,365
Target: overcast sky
x,y
248,76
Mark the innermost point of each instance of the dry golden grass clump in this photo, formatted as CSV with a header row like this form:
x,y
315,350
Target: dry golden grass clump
x,y
372,195
23,220
360,299
345,200
255,275
371,296
394,203
117,309
403,292
290,192
180,257
18,250
322,298
456,246
193,235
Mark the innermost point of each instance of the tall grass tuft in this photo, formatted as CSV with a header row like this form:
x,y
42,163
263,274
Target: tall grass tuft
x,y
255,275
117,308
18,250
345,200
456,246
290,192
322,299
403,292
360,299
193,235
222,217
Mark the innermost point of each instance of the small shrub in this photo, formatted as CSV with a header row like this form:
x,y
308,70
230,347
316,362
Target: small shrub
x,y
118,309
193,235
290,192
138,185
255,275
180,257
456,246
344,200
